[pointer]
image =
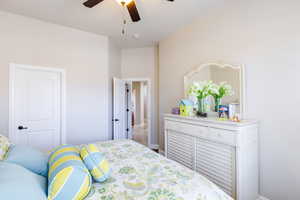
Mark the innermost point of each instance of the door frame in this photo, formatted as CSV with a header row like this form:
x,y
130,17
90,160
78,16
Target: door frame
x,y
12,78
149,106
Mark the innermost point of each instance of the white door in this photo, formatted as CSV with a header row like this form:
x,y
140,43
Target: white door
x,y
119,109
36,105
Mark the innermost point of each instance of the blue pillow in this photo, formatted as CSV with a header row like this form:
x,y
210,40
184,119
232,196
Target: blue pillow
x,y
28,157
20,183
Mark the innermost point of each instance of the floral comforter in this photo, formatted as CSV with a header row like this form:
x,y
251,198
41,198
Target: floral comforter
x,y
138,173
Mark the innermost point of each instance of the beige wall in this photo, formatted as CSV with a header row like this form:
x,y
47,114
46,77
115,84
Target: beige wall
x,y
143,63
84,56
264,36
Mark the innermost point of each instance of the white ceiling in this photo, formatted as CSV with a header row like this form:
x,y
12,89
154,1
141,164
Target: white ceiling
x,y
159,17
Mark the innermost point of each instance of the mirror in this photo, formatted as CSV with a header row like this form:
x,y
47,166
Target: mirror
x,y
218,73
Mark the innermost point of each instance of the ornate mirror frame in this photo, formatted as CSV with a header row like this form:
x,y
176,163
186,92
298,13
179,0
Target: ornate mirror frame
x,y
241,68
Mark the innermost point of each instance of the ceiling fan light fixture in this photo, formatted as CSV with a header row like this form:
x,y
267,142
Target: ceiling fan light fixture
x,y
124,2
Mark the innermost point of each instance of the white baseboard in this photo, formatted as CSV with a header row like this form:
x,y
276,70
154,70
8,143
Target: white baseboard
x,y
262,198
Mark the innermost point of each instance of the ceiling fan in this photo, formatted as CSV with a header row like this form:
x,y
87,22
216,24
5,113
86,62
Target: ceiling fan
x,y
130,4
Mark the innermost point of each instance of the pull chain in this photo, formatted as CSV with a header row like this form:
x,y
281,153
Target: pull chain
x,y
124,27
124,18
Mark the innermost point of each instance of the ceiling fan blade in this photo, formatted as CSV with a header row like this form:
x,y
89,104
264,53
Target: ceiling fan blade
x,y
133,11
92,3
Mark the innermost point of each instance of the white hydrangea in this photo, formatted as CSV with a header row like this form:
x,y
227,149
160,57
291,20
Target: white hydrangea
x,y
202,89
221,90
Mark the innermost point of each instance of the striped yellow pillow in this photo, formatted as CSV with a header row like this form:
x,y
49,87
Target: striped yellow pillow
x,y
68,178
95,162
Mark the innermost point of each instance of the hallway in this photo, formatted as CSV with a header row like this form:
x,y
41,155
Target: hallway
x,y
140,134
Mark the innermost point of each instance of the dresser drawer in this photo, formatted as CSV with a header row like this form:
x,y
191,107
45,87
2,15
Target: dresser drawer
x,y
198,131
223,136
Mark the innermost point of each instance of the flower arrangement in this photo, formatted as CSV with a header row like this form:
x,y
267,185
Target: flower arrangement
x,y
203,89
220,91
200,90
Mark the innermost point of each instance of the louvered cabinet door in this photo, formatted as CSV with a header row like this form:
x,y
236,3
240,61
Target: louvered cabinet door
x,y
181,148
217,162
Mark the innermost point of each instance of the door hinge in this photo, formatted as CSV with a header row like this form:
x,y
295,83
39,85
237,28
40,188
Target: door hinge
x,y
127,129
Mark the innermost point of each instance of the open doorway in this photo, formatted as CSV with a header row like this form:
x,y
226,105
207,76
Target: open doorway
x,y
132,110
140,111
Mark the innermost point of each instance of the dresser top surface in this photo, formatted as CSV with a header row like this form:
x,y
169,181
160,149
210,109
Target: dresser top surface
x,y
213,120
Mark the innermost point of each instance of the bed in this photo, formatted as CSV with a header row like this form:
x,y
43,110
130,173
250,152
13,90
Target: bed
x,y
138,173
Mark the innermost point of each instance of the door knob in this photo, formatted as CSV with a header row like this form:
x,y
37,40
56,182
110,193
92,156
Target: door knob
x,y
116,120
22,127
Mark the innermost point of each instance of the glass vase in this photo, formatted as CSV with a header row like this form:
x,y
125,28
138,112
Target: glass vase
x,y
217,103
201,105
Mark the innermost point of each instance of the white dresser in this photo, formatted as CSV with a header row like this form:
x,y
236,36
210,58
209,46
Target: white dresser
x,y
225,152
